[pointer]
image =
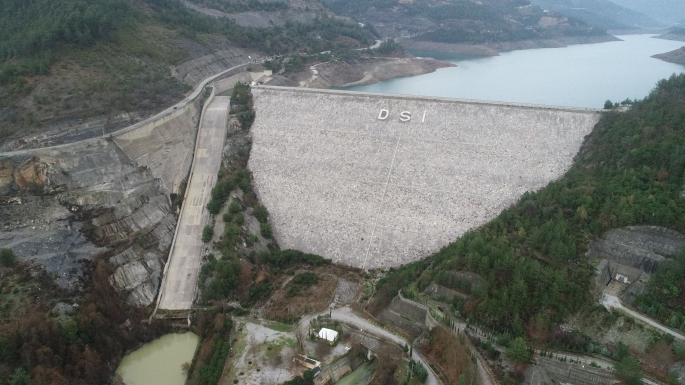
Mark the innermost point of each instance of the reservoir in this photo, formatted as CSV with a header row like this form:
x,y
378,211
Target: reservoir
x,y
583,75
159,362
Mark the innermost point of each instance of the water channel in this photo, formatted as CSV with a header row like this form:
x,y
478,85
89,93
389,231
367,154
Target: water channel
x,y
583,75
160,361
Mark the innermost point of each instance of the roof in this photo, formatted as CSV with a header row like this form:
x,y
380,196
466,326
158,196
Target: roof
x,y
328,334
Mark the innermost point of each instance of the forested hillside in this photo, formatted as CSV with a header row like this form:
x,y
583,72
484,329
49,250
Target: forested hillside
x,y
629,171
463,21
69,60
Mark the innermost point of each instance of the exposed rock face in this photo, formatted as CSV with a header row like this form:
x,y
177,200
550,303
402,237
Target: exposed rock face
x,y
106,195
101,192
640,247
193,71
679,370
406,315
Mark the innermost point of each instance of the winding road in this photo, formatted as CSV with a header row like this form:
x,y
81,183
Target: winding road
x,y
610,301
345,314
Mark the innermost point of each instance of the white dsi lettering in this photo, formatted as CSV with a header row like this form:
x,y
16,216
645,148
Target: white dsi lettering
x,y
383,114
405,116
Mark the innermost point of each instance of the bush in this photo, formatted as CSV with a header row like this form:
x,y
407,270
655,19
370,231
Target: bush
x,y
234,207
207,234
265,228
240,219
7,258
517,350
261,214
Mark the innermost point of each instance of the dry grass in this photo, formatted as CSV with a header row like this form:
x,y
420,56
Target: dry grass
x,y
450,353
316,298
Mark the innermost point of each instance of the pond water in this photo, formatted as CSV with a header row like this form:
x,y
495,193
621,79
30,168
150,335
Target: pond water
x,y
583,75
160,361
359,376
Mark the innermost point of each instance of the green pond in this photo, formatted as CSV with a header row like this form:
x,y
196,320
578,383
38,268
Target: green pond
x,y
160,361
359,376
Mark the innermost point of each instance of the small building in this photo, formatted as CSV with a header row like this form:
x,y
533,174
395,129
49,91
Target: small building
x,y
306,361
329,335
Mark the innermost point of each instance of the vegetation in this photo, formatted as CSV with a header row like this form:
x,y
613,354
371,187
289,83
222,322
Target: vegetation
x,y
307,378
105,57
517,350
214,328
665,298
628,370
7,258
389,46
243,6
80,347
301,282
629,171
207,234
464,21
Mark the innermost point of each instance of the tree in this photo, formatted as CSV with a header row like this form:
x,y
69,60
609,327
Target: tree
x,y
608,105
517,350
261,213
7,258
20,377
207,234
628,370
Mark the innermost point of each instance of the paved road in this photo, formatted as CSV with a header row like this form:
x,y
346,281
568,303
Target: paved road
x,y
180,278
345,314
611,301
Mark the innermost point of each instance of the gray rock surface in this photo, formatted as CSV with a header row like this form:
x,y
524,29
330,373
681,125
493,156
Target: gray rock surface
x,y
678,369
640,247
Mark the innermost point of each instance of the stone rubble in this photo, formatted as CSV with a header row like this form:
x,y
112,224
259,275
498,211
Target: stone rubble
x,y
373,193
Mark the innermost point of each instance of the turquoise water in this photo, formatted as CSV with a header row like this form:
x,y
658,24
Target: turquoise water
x,y
583,75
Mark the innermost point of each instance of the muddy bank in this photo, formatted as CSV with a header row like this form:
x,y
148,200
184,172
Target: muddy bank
x,y
676,56
361,71
494,49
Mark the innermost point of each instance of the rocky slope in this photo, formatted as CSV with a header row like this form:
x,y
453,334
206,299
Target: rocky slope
x,y
677,34
676,56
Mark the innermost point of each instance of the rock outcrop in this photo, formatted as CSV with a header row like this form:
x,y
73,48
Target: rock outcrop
x,y
640,247
95,190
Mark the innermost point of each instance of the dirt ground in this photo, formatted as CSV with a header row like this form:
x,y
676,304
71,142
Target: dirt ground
x,y
336,286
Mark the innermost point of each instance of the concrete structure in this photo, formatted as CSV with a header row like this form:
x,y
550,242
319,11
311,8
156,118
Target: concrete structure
x,y
180,276
306,361
328,335
373,180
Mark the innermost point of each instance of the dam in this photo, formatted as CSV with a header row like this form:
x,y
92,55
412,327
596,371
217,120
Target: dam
x,y
378,180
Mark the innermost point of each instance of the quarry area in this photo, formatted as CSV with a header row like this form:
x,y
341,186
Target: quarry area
x,y
376,181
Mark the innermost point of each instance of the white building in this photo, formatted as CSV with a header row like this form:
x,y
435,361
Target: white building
x,y
328,335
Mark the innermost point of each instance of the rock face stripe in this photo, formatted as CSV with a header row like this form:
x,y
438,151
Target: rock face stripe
x,y
180,281
376,180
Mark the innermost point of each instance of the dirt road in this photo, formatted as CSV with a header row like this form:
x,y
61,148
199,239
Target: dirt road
x,y
610,301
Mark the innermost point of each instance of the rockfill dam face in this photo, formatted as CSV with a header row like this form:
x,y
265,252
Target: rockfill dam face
x,y
375,180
